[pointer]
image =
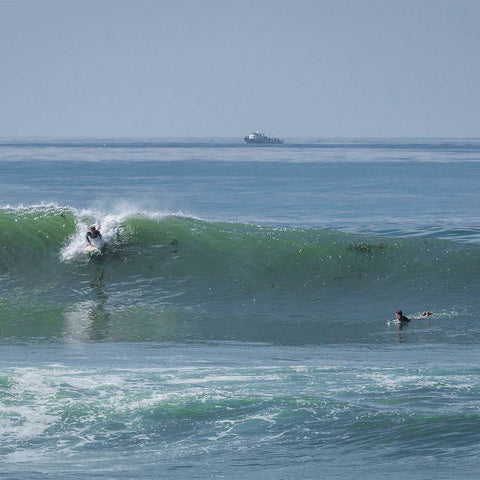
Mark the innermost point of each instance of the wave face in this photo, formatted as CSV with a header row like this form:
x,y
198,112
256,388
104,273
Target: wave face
x,y
169,277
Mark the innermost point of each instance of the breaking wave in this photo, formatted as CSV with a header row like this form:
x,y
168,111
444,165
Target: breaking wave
x,y
178,276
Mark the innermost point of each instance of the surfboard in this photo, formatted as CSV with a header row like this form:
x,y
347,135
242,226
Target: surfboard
x,y
95,247
91,249
93,252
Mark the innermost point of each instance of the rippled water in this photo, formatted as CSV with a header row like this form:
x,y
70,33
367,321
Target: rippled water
x,y
239,323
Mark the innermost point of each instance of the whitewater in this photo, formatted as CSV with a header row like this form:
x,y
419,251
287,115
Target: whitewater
x,y
240,322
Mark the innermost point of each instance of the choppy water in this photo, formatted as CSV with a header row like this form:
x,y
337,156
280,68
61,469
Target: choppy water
x,y
239,323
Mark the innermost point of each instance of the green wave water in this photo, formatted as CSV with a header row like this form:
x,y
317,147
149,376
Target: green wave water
x,y
180,278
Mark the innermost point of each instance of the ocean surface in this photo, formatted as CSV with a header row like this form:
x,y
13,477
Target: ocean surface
x,y
240,321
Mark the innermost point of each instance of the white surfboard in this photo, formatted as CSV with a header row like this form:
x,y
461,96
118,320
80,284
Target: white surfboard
x,y
95,246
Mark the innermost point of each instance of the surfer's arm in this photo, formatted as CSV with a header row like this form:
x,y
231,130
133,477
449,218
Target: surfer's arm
x,y
423,315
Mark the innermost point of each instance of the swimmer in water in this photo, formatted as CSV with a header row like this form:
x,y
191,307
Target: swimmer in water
x,y
403,320
401,317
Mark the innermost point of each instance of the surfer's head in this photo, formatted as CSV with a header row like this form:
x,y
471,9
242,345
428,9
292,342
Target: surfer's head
x,y
92,228
399,313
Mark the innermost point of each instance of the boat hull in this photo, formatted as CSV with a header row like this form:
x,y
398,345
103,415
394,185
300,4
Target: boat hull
x,y
263,141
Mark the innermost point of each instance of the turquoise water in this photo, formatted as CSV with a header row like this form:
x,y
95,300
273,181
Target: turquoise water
x,y
240,321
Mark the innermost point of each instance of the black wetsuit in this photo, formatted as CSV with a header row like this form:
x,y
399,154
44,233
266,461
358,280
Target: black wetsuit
x,y
403,319
90,235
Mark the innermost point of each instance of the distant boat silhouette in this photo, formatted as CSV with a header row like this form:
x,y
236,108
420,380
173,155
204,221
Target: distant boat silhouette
x,y
258,137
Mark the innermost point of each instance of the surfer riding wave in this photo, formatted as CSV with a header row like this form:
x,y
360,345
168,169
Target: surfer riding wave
x,y
93,233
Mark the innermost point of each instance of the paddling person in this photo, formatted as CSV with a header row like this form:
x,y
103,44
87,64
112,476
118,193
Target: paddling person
x,y
93,233
401,317
403,320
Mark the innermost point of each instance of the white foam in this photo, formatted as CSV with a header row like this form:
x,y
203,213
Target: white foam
x,y
43,207
226,378
109,223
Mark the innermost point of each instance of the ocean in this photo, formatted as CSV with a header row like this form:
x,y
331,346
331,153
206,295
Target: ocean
x,y
240,322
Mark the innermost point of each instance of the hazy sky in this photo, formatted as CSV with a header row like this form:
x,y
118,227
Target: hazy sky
x,y
223,68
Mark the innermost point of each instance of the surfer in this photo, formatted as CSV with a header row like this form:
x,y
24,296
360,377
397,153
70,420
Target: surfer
x,y
403,320
401,317
93,233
